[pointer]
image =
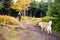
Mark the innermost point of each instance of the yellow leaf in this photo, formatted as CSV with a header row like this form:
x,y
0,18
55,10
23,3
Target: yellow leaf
x,y
21,5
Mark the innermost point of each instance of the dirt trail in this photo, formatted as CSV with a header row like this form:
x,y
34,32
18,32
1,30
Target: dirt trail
x,y
29,32
1,37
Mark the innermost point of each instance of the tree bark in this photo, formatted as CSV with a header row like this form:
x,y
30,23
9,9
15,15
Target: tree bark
x,y
24,13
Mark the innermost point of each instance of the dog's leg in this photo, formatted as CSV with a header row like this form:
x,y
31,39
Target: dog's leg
x,y
45,29
41,28
50,30
49,27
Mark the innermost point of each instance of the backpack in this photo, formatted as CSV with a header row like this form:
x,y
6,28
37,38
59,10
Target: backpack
x,y
19,14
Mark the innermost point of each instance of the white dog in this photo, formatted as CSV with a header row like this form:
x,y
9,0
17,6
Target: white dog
x,y
46,26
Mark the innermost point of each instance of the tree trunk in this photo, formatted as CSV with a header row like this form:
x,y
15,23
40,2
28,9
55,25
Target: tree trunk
x,y
9,11
24,13
41,14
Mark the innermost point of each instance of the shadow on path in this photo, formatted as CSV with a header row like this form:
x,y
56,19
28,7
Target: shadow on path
x,y
1,37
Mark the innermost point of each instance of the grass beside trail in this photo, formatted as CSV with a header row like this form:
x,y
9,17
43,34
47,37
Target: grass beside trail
x,y
34,20
10,34
8,20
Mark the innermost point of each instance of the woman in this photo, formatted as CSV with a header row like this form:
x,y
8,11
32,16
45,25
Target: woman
x,y
19,16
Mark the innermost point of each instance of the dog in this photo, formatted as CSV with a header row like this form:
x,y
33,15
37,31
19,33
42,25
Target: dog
x,y
46,26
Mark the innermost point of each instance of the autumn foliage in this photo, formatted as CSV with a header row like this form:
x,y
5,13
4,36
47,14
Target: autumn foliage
x,y
8,20
21,5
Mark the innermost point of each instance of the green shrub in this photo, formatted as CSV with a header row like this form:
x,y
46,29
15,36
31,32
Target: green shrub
x,y
46,19
56,25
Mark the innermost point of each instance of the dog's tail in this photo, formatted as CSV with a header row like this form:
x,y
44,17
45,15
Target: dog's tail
x,y
50,22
